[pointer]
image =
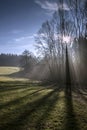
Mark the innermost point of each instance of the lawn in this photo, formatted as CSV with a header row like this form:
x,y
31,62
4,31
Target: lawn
x,y
32,106
28,105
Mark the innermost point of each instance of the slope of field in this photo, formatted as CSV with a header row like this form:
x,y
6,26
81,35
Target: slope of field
x,y
6,74
8,70
30,106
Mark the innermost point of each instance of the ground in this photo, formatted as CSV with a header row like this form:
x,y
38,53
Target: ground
x,y
28,105
11,74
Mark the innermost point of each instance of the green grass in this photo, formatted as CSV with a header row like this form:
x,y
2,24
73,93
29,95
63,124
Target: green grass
x,y
30,106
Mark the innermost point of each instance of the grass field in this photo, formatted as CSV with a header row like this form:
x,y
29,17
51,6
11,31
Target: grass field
x,y
5,74
8,70
30,106
26,105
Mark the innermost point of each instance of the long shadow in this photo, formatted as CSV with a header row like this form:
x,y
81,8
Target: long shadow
x,y
18,83
25,97
12,85
28,110
41,122
18,100
81,96
9,86
71,121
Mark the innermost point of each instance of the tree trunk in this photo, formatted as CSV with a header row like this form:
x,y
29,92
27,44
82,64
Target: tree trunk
x,y
68,76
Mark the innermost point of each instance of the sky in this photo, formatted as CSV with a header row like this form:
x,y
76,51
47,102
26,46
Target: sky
x,y
20,20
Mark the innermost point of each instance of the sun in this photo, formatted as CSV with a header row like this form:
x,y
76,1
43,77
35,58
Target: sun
x,y
66,39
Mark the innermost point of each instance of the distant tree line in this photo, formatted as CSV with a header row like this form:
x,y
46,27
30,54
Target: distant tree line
x,y
26,60
9,60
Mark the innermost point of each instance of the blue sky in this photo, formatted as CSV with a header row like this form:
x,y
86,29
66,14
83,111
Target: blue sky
x,y
19,22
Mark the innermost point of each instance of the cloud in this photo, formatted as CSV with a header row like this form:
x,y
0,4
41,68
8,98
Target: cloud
x,y
47,5
18,45
51,6
16,31
23,38
17,48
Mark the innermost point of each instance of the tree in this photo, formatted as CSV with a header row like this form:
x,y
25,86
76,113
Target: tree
x,y
66,22
27,60
50,42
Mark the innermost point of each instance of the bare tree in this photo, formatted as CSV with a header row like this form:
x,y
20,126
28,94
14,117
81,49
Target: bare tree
x,y
72,23
27,60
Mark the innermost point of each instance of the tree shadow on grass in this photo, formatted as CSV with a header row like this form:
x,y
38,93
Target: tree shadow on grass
x,y
80,95
71,121
41,122
11,86
25,97
30,116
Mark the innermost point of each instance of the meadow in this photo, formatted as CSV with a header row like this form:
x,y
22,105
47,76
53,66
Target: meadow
x,y
30,105
8,74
